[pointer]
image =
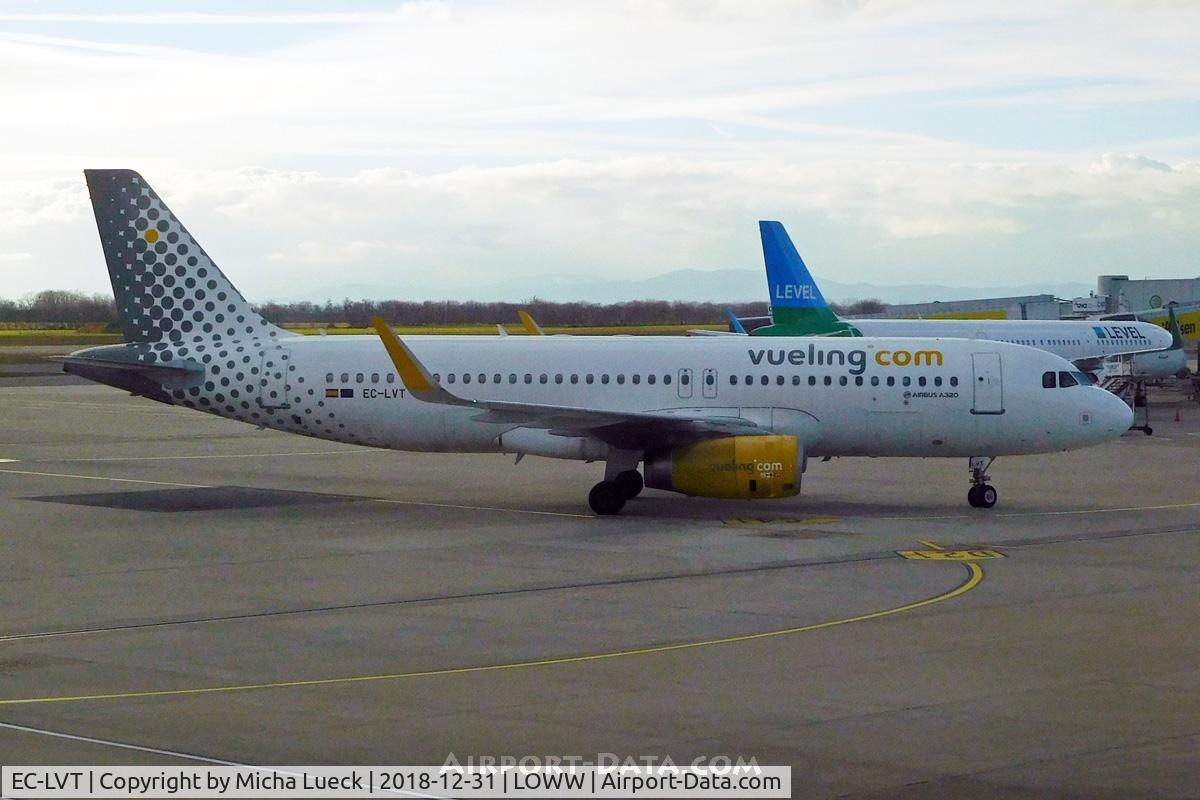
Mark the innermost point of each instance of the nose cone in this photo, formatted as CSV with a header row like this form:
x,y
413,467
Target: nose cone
x,y
1160,338
1113,416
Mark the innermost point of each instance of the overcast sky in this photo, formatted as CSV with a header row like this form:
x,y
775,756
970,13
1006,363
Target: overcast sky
x,y
451,143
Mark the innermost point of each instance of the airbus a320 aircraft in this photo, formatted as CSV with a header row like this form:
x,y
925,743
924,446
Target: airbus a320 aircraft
x,y
716,417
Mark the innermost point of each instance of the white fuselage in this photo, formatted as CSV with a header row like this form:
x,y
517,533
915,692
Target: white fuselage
x,y
1074,340
839,396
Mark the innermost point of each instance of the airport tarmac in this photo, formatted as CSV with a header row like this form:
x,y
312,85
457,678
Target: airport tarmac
x,y
179,588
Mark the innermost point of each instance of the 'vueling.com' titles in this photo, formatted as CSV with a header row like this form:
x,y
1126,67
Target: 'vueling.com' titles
x,y
856,360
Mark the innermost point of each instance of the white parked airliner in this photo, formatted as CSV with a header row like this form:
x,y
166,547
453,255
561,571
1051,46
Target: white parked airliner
x,y
799,309
717,417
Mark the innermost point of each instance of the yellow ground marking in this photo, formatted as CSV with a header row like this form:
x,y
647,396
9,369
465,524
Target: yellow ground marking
x,y
931,545
949,555
1067,513
974,578
747,521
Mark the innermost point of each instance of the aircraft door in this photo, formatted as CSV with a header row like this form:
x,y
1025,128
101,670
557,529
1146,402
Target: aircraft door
x,y
684,383
273,378
989,389
709,386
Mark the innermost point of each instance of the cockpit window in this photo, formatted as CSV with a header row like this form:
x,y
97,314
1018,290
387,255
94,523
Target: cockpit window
x,y
1066,379
1048,381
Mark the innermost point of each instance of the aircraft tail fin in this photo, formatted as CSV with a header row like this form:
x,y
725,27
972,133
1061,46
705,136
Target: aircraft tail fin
x,y
166,287
797,306
530,324
735,324
1173,327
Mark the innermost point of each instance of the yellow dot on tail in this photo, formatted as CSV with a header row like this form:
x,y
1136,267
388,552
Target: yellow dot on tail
x,y
152,236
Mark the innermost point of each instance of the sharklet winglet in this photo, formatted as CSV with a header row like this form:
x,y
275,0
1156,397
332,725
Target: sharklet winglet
x,y
416,378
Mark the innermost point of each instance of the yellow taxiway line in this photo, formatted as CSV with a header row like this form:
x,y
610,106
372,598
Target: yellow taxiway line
x,y
974,578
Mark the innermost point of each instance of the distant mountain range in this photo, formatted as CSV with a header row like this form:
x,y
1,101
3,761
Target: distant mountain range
x,y
717,286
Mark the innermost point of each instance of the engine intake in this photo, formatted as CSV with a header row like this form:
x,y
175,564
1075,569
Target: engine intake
x,y
740,467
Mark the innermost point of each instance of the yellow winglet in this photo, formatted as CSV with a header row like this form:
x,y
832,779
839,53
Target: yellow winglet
x,y
415,378
531,327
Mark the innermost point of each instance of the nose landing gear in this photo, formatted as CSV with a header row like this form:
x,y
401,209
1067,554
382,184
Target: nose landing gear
x,y
981,495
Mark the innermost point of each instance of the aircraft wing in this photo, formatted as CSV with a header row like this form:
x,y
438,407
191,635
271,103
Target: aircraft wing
x,y
630,429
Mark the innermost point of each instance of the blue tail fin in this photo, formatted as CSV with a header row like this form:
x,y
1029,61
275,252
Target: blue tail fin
x,y
792,286
797,305
735,324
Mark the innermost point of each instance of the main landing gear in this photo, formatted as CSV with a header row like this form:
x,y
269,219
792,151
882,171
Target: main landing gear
x,y
609,497
622,482
981,494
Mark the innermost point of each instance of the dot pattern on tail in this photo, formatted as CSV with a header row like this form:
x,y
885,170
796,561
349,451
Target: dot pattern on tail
x,y
175,305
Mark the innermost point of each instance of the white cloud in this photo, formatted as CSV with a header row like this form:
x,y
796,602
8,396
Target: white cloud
x,y
455,142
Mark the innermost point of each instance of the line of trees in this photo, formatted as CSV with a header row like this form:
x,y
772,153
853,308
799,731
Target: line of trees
x,y
77,308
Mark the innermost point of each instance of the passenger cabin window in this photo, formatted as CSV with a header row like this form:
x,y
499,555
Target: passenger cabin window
x,y
651,378
360,378
391,378
345,377
329,377
667,379
953,381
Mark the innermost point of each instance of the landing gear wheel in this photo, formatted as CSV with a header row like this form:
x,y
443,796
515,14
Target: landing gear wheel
x,y
1148,430
606,498
982,496
630,483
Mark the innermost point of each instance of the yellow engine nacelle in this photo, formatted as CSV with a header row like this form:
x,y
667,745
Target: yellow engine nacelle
x,y
742,467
